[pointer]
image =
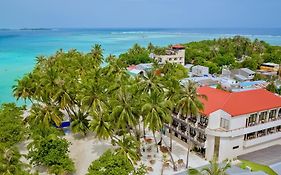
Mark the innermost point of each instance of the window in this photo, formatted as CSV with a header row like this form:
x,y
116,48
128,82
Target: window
x,y
262,117
278,128
235,147
175,59
252,120
203,122
201,137
279,113
183,127
192,132
261,133
250,136
272,115
224,123
271,130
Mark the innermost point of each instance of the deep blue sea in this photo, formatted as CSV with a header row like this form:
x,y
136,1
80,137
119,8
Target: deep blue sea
x,y
18,48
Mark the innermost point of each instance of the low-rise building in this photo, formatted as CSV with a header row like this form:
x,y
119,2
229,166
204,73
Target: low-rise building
x,y
231,124
269,69
199,71
176,54
242,74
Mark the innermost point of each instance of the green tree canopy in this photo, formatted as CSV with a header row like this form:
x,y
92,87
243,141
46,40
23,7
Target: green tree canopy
x,y
111,163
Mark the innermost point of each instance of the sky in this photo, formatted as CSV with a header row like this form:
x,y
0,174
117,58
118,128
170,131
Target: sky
x,y
140,13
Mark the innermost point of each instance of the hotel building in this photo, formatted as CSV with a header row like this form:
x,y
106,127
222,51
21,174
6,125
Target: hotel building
x,y
176,54
231,124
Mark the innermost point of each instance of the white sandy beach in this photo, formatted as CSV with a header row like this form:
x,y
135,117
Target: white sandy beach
x,y
84,150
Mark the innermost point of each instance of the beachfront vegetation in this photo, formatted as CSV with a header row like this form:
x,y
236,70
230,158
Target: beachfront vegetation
x,y
51,152
103,100
12,132
10,163
189,105
12,129
111,163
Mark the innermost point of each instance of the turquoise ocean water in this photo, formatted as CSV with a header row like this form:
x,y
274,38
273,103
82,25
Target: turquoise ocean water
x,y
18,48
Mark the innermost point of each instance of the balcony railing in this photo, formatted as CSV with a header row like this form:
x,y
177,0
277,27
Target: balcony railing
x,y
263,139
202,125
201,140
183,117
192,120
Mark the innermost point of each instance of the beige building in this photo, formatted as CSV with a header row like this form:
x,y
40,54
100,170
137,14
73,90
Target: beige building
x,y
176,54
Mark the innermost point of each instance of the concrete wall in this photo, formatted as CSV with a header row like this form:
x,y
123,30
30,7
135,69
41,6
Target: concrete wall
x,y
210,143
178,58
215,118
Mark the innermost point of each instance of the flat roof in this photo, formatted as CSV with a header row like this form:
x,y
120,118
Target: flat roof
x,y
249,71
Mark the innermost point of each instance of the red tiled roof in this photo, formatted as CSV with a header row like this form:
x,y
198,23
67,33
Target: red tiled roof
x,y
238,103
178,46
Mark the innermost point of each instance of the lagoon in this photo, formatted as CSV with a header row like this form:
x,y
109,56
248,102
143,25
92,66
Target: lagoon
x,y
19,48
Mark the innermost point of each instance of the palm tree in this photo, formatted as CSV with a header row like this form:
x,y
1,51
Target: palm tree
x,y
46,115
100,125
97,54
156,112
213,169
150,47
150,83
10,162
129,146
80,123
24,88
124,112
189,104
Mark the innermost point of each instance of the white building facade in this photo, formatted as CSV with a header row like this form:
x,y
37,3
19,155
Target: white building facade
x,y
232,124
174,55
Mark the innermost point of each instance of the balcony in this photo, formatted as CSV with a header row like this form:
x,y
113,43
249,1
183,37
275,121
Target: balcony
x,y
202,125
175,124
182,117
192,120
263,139
220,132
201,140
183,128
192,134
252,124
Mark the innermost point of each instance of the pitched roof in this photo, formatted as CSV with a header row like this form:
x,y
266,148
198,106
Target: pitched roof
x,y
238,103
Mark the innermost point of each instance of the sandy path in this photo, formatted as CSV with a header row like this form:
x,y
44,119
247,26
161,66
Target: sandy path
x,y
84,150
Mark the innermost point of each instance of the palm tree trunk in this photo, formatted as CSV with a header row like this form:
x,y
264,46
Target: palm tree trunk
x,y
139,125
189,145
143,130
171,142
170,154
155,142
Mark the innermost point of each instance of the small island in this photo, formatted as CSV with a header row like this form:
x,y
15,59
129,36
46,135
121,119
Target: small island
x,y
150,110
